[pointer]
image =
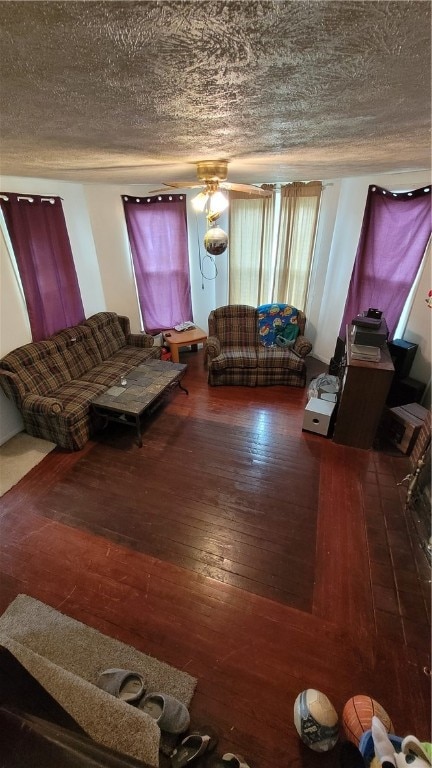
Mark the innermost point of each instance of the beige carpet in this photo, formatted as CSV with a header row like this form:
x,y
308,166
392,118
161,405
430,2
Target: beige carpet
x,y
67,657
18,456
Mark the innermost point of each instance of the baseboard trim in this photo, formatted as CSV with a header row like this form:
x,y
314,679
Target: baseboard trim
x,y
321,359
5,438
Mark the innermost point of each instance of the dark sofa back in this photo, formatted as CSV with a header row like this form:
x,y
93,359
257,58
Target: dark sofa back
x,y
107,333
235,325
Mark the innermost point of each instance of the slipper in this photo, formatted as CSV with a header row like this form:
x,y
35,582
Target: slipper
x,y
418,748
193,746
122,683
229,761
170,714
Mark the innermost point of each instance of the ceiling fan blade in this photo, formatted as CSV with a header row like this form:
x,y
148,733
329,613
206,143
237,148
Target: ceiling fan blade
x,y
251,189
157,191
184,184
177,185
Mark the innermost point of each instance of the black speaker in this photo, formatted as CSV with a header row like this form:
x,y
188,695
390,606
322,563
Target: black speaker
x,y
337,360
402,354
404,391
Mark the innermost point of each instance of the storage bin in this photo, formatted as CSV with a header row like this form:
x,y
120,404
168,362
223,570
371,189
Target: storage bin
x,y
317,416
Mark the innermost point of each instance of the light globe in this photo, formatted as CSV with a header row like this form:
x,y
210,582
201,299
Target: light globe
x,y
215,241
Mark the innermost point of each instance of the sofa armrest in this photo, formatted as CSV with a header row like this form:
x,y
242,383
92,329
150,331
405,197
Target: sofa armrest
x,y
139,340
212,347
302,346
40,404
12,386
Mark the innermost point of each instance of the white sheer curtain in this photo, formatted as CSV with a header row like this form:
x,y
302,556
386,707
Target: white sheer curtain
x,y
296,240
251,223
271,245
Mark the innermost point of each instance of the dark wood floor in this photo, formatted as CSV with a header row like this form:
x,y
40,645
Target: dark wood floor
x,y
259,558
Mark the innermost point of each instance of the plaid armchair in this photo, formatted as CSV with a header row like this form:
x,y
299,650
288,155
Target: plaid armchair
x,y
238,354
52,382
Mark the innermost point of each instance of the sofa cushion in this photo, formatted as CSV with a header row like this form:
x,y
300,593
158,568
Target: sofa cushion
x,y
272,318
27,355
234,325
40,366
78,349
107,333
277,357
133,356
106,373
109,371
235,357
48,374
75,396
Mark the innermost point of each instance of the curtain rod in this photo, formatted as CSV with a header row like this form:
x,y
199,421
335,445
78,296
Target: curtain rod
x,y
29,199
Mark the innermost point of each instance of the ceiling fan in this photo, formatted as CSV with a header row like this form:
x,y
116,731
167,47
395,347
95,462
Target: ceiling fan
x,y
212,179
212,176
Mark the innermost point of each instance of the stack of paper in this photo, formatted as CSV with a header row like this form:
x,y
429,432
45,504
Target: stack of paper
x,y
187,326
361,352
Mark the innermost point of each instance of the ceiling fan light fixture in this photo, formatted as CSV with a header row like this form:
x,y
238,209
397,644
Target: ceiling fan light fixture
x,y
199,201
218,203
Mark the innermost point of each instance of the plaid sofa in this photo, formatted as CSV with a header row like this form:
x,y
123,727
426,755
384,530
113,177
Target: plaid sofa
x,y
52,382
235,353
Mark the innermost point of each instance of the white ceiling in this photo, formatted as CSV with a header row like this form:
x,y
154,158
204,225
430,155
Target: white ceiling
x,y
137,92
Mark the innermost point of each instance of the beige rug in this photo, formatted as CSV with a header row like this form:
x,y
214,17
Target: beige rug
x,y
67,657
18,456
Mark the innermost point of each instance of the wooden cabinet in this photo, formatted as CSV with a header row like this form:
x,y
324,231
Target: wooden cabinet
x,y
365,386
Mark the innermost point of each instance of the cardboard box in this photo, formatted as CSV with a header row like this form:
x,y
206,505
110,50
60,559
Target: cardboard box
x,y
317,416
416,410
403,425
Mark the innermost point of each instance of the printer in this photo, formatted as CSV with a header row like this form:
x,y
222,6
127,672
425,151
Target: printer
x,y
370,336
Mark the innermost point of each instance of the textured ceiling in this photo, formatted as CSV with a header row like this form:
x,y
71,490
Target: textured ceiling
x,y
137,92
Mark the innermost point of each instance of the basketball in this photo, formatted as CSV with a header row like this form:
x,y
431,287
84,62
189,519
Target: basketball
x,y
316,720
357,717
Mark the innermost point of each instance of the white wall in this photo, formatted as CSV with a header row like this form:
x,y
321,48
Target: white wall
x,y
108,225
14,331
325,233
210,284
97,230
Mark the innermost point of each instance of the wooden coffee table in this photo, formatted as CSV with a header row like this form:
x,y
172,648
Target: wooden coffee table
x,y
179,339
144,389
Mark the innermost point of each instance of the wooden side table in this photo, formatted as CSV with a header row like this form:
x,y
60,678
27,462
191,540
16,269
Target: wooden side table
x,y
179,339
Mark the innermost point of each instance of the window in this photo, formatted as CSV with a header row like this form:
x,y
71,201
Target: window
x,y
271,244
404,317
157,229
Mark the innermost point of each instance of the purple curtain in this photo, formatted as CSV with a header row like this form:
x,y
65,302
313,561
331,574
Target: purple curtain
x,y
157,229
394,235
39,237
